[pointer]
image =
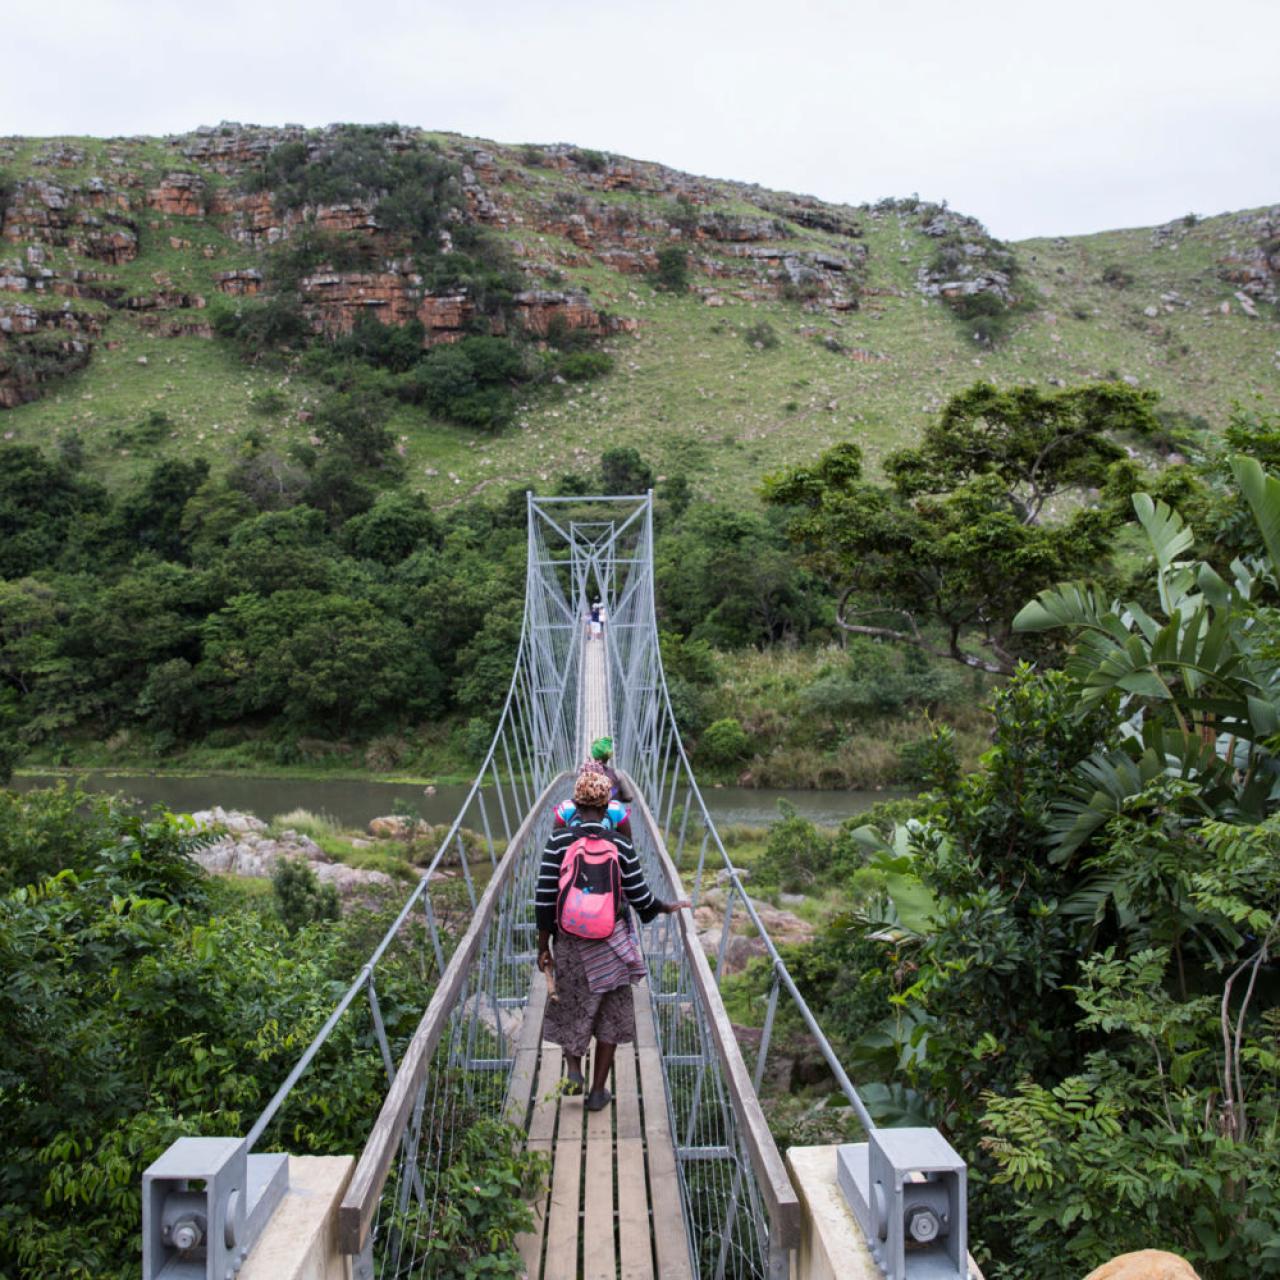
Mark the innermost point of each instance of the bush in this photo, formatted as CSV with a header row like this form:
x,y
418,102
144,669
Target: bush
x,y
986,315
724,743
300,898
268,402
582,366
591,161
796,855
762,336
1116,276
623,471
672,273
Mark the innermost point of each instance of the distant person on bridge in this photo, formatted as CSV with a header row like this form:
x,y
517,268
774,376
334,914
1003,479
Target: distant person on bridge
x,y
597,612
602,753
597,956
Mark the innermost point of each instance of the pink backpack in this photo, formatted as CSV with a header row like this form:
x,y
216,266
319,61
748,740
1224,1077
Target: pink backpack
x,y
590,894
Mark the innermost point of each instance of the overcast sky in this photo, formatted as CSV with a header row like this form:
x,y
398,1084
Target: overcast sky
x,y
1039,118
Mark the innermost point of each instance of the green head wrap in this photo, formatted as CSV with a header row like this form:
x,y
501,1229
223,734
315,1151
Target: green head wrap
x,y
602,748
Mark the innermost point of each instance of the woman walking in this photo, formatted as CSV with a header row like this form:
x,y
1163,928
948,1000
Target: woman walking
x,y
594,969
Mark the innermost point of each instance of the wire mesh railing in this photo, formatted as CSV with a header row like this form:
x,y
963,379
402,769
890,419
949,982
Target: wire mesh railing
x,y
534,740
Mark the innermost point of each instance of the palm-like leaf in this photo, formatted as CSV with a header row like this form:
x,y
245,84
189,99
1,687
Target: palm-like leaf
x,y
1262,492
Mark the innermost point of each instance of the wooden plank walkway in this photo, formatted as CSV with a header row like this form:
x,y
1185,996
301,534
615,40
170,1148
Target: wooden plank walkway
x,y
612,1204
611,1207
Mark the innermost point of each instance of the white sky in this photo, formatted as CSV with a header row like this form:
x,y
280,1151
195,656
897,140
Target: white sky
x,y
1039,118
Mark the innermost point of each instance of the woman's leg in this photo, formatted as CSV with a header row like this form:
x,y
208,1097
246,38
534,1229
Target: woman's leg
x,y
599,1096
573,1070
603,1065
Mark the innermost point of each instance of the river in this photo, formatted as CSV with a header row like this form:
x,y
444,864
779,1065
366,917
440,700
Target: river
x,y
353,801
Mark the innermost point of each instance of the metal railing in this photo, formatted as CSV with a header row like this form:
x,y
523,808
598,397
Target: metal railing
x,y
535,739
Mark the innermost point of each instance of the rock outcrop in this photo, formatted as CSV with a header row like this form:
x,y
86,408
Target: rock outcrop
x,y
46,213
246,849
1146,1264
38,346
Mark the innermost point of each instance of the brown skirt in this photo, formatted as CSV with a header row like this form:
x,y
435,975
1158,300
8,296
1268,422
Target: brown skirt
x,y
581,1013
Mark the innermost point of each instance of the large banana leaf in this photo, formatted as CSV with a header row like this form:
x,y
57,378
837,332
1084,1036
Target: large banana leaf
x,y
1262,492
1169,537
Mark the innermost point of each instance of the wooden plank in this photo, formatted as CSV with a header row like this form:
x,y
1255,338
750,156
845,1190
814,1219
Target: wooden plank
x,y
599,1256
360,1203
566,1188
525,1068
529,1243
626,1092
669,1236
542,1124
635,1246
646,1032
781,1202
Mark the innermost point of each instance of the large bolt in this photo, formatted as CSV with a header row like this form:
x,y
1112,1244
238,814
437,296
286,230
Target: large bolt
x,y
186,1233
922,1224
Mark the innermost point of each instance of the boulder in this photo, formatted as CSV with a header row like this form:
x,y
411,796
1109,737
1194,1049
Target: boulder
x,y
1146,1264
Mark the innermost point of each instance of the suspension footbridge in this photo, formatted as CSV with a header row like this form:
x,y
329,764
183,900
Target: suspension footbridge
x,y
679,1176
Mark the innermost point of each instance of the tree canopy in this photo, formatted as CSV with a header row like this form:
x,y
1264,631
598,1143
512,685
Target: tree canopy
x,y
944,555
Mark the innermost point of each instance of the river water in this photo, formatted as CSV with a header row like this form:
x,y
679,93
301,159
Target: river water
x,y
354,801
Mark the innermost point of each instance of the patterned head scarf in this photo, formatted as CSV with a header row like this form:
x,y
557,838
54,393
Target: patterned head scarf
x,y
602,749
592,789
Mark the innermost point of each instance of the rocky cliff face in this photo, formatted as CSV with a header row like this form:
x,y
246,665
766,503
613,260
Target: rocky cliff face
x,y
83,223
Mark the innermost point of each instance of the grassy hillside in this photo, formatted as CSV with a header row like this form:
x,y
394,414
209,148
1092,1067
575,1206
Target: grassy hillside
x,y
693,385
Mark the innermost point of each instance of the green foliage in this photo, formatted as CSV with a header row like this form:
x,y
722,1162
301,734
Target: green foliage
x,y
624,472
723,576
1073,939
583,366
797,856
672,272
477,1203
943,557
300,897
357,427
724,742
760,336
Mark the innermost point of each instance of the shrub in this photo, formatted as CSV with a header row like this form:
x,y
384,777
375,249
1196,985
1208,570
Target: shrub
x,y
986,315
762,336
796,855
269,402
256,327
1116,276
672,274
300,898
591,161
581,366
725,742
624,471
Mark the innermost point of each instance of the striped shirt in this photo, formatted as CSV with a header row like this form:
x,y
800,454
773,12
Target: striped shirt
x,y
633,883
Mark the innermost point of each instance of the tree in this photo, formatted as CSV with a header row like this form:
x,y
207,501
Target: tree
x,y
357,427
672,273
623,472
944,556
724,576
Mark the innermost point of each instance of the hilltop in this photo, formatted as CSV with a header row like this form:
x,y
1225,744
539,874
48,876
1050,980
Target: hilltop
x,y
802,322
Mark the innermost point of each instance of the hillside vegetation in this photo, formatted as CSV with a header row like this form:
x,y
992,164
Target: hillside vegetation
x,y
774,325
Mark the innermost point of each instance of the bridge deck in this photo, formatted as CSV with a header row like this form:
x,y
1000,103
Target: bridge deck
x,y
612,1205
